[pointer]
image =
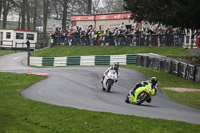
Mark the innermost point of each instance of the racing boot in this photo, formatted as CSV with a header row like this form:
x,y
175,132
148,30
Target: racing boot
x,y
149,100
127,101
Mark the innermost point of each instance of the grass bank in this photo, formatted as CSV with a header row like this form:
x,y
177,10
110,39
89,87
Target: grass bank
x,y
4,52
111,50
19,114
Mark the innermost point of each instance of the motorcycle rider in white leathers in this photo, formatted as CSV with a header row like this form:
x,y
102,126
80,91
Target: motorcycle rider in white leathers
x,y
114,67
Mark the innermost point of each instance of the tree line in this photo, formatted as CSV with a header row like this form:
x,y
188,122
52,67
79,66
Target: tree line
x,y
176,13
33,13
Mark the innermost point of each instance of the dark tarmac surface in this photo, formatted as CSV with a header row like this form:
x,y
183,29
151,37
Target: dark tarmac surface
x,y
80,87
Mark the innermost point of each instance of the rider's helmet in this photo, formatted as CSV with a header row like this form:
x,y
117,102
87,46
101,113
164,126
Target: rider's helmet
x,y
154,81
116,65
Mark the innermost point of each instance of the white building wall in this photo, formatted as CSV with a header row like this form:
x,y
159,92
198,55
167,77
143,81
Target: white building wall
x,y
13,40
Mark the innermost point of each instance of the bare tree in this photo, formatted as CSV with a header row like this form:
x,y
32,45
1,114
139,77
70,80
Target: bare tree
x,y
64,19
95,6
1,6
112,6
1,1
89,7
45,16
28,14
35,14
23,13
6,8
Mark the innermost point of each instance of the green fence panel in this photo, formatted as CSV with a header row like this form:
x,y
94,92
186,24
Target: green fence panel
x,y
131,59
74,60
48,61
102,60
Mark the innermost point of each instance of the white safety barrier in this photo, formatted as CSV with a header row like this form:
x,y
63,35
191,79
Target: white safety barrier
x,y
60,61
87,61
118,58
36,61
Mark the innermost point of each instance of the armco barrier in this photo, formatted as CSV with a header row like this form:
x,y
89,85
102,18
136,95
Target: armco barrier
x,y
169,65
84,60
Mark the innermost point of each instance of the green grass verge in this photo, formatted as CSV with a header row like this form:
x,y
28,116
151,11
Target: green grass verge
x,y
111,50
191,99
19,114
4,52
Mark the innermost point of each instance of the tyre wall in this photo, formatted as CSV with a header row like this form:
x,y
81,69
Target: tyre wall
x,y
175,67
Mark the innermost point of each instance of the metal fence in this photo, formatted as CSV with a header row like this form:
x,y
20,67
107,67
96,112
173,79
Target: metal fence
x,y
6,43
10,45
123,40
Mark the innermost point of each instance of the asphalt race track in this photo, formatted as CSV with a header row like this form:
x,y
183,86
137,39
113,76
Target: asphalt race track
x,y
80,87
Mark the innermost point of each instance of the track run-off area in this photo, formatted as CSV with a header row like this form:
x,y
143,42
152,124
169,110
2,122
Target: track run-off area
x,y
80,87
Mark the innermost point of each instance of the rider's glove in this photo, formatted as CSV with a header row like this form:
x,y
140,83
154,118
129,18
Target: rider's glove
x,y
115,80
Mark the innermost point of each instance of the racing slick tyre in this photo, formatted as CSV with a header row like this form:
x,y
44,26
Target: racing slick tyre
x,y
141,98
127,99
109,84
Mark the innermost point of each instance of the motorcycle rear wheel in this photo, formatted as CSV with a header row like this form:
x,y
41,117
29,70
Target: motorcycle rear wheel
x,y
127,99
141,99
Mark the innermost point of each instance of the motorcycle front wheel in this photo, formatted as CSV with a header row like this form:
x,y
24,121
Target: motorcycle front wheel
x,y
109,84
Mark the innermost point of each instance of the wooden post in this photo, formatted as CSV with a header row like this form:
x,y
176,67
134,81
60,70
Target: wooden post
x,y
12,44
15,47
28,58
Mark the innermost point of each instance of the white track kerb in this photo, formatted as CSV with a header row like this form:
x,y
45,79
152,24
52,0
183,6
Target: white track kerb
x,y
83,60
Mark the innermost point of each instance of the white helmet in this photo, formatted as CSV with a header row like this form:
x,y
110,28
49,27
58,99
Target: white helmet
x,y
116,65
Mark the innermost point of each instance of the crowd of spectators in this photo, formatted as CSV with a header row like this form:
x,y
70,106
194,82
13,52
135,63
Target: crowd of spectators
x,y
131,37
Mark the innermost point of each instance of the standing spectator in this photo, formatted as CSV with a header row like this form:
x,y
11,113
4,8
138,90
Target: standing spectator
x,y
91,36
52,38
28,44
102,37
116,36
169,36
69,37
28,50
106,34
